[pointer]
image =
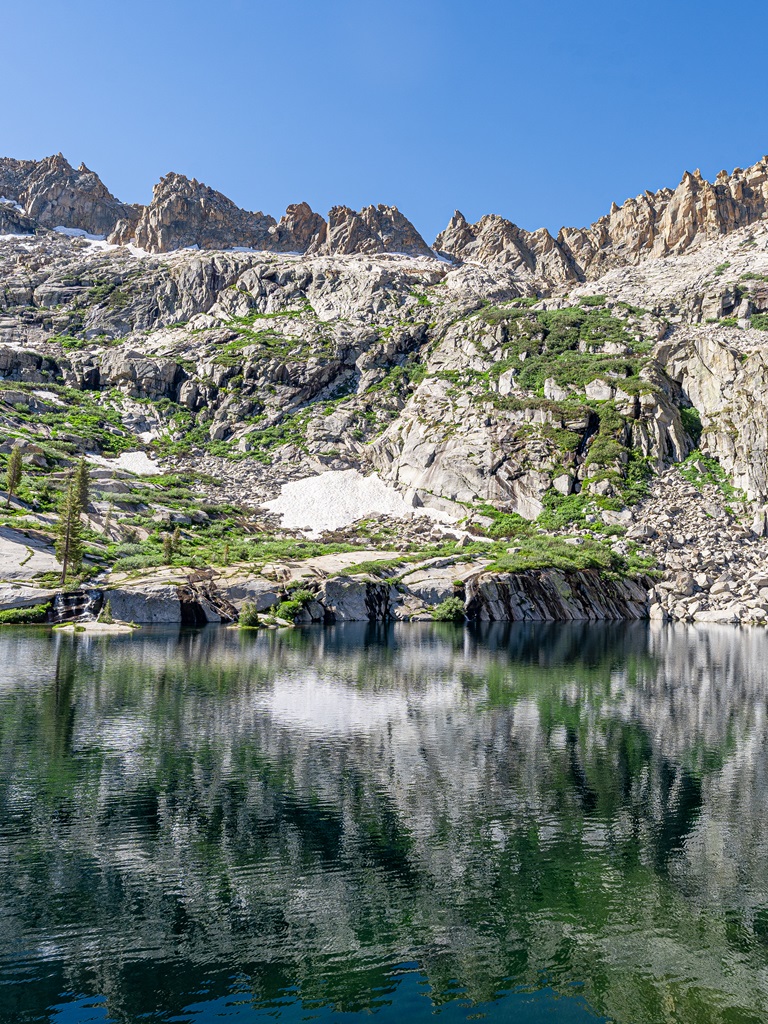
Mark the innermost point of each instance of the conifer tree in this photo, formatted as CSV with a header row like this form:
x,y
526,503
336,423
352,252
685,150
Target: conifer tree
x,y
69,542
13,473
82,482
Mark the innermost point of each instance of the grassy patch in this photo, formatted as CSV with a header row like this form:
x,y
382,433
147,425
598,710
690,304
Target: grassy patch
x,y
700,470
548,552
24,616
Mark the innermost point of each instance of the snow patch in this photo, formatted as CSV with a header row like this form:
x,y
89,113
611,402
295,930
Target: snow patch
x,y
134,462
78,233
49,396
338,498
11,202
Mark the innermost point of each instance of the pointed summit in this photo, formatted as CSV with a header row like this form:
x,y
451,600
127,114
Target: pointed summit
x,y
375,229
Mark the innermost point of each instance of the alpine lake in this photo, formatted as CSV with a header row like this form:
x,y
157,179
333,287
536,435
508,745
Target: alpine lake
x,y
560,823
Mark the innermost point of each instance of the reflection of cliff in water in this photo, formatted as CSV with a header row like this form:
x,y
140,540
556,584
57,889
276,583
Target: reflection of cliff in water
x,y
487,801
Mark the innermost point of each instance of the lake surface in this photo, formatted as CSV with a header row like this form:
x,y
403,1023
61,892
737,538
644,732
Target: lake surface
x,y
528,823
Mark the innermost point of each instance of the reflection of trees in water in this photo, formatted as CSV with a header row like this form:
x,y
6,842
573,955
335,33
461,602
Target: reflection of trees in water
x,y
489,801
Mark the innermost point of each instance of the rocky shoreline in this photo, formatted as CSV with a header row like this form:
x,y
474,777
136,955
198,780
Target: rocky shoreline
x,y
544,595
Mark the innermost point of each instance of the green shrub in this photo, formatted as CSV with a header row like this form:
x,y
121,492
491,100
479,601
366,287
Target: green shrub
x,y
298,599
639,471
699,470
449,610
248,617
692,424
137,562
759,321
25,616
288,610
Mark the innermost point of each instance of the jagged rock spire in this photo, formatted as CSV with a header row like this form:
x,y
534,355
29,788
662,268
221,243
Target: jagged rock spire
x,y
184,212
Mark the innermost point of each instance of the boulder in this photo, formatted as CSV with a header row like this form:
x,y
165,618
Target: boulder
x,y
146,602
260,592
354,600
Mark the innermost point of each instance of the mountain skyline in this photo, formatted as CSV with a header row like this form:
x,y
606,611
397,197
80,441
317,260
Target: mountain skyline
x,y
544,116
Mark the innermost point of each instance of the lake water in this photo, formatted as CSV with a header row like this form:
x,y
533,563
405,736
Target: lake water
x,y
527,823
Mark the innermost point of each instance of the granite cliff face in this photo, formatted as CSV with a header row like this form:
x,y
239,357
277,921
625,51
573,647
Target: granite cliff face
x,y
568,402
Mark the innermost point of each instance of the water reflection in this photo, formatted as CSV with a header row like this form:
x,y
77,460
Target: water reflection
x,y
532,821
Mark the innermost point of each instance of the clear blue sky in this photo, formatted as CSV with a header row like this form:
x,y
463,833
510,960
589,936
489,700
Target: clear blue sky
x,y
544,112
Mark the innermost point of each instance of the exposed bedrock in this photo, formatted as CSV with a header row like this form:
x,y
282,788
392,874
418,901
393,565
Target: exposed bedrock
x,y
729,388
550,595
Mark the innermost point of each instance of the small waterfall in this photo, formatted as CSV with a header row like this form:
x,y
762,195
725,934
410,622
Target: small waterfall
x,y
76,606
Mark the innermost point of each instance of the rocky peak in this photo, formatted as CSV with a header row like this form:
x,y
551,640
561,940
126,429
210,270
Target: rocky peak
x,y
185,213
653,224
670,221
375,229
299,228
496,241
54,194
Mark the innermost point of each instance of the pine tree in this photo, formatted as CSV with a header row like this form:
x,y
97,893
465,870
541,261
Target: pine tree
x,y
167,548
13,473
69,542
82,482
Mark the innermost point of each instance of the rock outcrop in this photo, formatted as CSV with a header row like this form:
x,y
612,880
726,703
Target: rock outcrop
x,y
146,603
535,257
184,213
375,229
298,229
53,194
653,224
549,595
